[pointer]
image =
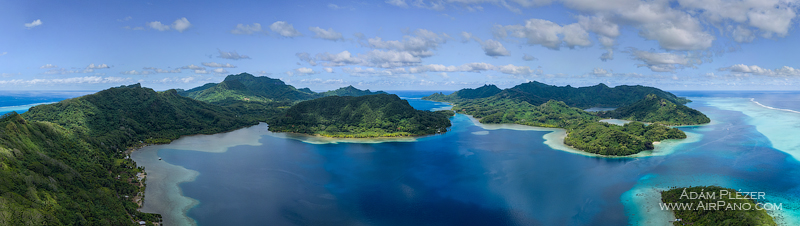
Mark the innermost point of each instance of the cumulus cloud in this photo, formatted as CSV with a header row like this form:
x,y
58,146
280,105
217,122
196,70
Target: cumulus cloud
x,y
357,71
600,72
307,58
246,29
527,57
201,71
419,45
48,66
233,55
327,69
329,34
373,58
193,67
159,70
284,29
494,48
466,36
219,71
158,26
398,3
304,71
545,33
98,66
181,24
33,24
213,64
664,61
135,72
784,71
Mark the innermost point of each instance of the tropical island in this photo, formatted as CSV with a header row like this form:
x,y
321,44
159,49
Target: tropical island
x,y
381,115
541,105
745,214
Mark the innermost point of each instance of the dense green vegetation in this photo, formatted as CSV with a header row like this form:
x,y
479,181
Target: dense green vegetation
x,y
260,98
537,104
537,93
585,132
608,139
658,110
381,115
349,91
480,92
64,163
714,216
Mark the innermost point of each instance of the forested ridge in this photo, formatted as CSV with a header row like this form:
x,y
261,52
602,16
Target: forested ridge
x,y
381,115
537,93
654,109
527,104
64,163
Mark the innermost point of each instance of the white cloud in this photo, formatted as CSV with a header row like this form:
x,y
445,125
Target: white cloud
x,y
390,59
242,29
606,30
159,70
466,36
158,26
62,71
742,34
329,34
219,71
515,70
527,57
545,33
48,66
420,45
327,69
233,55
99,66
284,29
3,53
339,59
398,3
494,48
213,64
600,72
305,71
663,62
33,24
201,71
357,71
784,71
135,72
74,80
193,67
181,24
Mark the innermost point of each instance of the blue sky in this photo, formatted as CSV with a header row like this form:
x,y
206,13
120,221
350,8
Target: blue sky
x,y
401,45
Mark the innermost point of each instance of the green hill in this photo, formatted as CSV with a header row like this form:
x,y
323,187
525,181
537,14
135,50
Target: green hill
x,y
246,87
63,163
381,115
350,91
537,93
480,92
658,110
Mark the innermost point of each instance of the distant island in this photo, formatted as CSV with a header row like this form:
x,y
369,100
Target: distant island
x,y
381,115
538,104
736,210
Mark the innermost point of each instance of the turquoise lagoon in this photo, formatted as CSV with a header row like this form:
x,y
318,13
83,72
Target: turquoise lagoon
x,y
472,175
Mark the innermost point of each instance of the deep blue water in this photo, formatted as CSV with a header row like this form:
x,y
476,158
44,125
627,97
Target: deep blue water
x,y
20,101
506,177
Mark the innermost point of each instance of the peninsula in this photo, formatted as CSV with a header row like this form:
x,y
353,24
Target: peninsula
x,y
538,104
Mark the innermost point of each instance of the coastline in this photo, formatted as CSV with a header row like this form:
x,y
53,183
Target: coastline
x,y
162,187
555,140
